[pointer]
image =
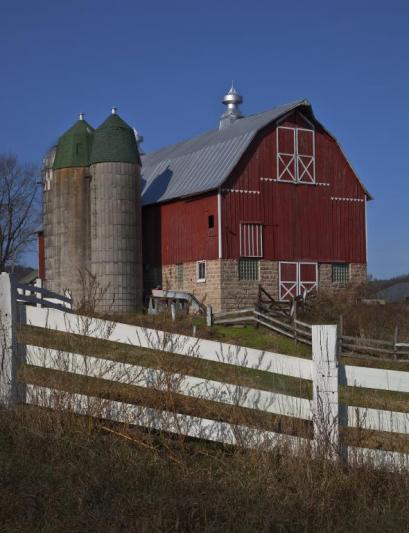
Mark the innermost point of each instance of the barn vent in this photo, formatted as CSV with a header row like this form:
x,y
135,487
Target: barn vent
x,y
232,100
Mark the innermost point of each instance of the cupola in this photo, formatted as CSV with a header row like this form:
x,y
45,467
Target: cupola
x,y
232,100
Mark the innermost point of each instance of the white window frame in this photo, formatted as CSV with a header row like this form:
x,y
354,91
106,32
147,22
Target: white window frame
x,y
198,279
251,239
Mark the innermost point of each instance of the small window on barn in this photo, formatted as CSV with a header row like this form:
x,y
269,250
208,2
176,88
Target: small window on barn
x,y
179,275
340,272
210,221
248,269
201,271
251,240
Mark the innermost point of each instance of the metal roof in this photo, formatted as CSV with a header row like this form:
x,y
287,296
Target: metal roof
x,y
203,163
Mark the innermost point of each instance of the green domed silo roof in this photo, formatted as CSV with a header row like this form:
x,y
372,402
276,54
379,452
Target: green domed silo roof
x,y
114,142
74,146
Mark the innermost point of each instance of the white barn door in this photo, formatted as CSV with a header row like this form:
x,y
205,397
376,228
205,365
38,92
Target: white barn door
x,y
297,278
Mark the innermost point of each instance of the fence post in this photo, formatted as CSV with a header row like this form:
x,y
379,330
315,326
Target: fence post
x,y
325,390
209,316
8,342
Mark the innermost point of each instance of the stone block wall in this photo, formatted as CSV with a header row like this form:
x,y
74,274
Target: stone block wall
x,y
357,275
207,292
225,291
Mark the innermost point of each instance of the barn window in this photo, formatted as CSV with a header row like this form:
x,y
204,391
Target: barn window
x,y
340,272
179,275
295,155
201,271
210,222
248,269
251,240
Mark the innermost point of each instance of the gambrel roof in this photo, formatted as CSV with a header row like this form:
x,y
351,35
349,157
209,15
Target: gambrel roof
x,y
203,163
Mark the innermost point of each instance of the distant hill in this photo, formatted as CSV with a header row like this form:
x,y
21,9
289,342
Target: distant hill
x,y
377,285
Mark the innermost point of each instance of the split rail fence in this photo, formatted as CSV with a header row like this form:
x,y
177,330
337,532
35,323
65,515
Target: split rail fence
x,y
289,326
320,410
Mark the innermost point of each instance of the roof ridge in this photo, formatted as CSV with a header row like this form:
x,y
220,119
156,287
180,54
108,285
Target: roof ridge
x,y
226,131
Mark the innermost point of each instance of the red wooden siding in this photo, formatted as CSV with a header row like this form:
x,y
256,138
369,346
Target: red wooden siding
x,y
301,222
177,232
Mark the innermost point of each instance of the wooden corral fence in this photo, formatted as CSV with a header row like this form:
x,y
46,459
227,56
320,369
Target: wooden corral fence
x,y
287,324
32,372
35,295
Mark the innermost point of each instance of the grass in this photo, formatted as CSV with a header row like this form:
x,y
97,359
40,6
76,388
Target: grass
x,y
67,474
247,335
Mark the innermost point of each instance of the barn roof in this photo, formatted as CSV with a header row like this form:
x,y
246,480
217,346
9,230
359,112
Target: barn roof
x,y
203,163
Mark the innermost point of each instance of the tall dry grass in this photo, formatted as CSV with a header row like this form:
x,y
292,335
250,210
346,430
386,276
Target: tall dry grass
x,y
65,473
359,319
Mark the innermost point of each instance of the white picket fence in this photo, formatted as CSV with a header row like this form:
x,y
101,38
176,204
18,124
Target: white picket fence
x,y
323,370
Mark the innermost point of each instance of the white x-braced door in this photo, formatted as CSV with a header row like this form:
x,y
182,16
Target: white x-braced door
x,y
295,155
297,278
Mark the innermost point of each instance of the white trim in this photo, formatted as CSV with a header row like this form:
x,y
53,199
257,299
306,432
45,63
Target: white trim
x,y
366,229
340,199
275,180
200,280
243,191
219,224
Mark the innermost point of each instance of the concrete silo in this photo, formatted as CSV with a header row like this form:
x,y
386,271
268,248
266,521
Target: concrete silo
x,y
116,239
66,216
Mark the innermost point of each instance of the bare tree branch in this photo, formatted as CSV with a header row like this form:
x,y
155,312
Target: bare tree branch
x,y
19,208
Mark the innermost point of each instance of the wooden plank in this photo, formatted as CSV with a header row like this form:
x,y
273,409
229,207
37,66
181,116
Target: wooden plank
x,y
273,319
238,312
44,303
377,378
357,340
164,341
155,419
195,387
358,347
304,324
394,461
378,420
44,292
234,320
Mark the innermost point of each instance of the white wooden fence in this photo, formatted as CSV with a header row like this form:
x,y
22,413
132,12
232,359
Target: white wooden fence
x,y
324,371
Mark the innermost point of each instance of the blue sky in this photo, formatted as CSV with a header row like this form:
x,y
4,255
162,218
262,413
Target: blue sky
x,y
166,65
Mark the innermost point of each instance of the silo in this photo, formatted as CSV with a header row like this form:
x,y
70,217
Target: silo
x,y
66,213
116,241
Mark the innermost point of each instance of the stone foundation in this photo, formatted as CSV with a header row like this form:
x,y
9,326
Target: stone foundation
x,y
357,275
223,290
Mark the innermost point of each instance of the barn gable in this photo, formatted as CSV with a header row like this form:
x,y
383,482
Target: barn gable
x,y
205,162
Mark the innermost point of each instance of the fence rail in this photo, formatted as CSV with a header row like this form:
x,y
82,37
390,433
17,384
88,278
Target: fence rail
x,y
321,411
299,331
40,297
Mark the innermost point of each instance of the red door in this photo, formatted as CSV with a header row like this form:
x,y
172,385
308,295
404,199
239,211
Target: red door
x,y
288,284
297,279
307,277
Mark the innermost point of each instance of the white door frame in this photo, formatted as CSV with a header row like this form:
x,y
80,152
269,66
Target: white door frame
x,y
299,285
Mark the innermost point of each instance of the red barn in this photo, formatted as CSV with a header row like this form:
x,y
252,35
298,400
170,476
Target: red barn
x,y
267,199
